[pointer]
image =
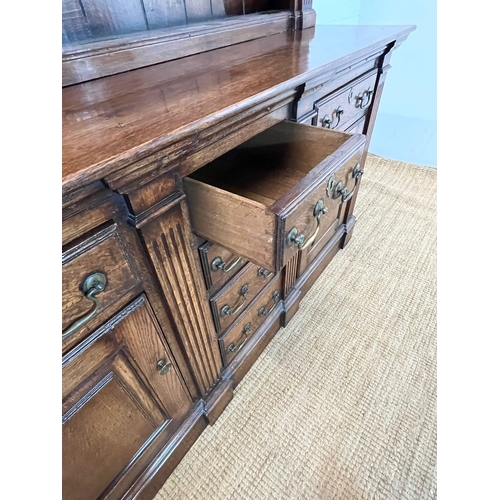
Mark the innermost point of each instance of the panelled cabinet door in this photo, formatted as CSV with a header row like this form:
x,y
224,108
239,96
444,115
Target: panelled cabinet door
x,y
120,387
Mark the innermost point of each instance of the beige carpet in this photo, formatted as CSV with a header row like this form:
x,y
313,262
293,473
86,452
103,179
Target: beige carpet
x,y
342,403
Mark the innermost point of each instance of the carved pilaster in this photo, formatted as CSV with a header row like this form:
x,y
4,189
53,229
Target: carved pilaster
x,y
168,240
290,275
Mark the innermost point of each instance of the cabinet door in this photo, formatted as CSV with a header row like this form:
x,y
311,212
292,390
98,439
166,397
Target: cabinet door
x,y
120,387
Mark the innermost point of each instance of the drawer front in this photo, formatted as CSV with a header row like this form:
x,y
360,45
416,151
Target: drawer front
x,y
219,265
96,274
118,389
233,341
323,209
340,109
234,298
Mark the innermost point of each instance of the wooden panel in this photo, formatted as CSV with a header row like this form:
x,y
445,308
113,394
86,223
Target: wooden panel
x,y
227,8
74,24
168,240
92,457
162,13
357,127
114,17
198,10
253,279
252,6
108,56
114,399
86,209
111,124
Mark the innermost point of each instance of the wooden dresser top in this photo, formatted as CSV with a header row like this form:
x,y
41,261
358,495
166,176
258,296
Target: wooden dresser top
x,y
114,121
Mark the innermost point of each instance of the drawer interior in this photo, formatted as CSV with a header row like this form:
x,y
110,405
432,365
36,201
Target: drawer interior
x,y
250,198
270,164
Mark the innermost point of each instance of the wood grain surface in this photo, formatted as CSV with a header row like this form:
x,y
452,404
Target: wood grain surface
x,y
168,239
113,122
111,387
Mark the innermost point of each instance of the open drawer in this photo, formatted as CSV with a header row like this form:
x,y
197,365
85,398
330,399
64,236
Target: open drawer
x,y
276,193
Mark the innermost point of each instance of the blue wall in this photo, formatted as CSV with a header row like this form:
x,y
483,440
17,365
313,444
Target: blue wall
x,y
406,122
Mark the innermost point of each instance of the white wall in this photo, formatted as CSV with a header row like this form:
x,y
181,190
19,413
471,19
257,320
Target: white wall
x,y
406,122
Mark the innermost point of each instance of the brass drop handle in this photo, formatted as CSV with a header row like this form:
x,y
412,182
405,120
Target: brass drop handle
x,y
294,237
340,190
369,94
94,283
219,265
263,273
357,172
263,311
227,310
327,122
360,98
244,333
334,190
163,367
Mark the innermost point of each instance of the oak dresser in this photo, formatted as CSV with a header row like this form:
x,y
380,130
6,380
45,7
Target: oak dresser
x,y
212,156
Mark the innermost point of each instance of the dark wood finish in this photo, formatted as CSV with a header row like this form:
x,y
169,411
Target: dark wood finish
x,y
103,252
249,199
169,241
254,278
86,209
252,6
291,305
336,216
96,19
244,360
95,211
153,477
248,323
198,10
216,278
83,62
74,24
129,142
346,105
85,20
125,115
108,18
112,387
